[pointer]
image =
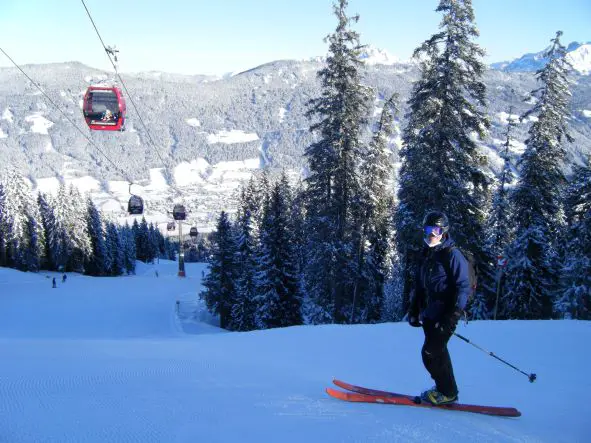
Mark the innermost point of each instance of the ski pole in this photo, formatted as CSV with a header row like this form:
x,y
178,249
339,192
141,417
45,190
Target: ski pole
x,y
532,377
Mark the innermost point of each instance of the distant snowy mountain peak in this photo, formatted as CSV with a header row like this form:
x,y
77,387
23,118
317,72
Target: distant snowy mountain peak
x,y
377,56
370,55
580,58
578,54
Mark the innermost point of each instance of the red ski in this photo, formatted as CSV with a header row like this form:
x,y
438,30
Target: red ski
x,y
384,397
368,391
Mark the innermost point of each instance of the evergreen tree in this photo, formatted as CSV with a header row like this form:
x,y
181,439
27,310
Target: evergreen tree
x,y
97,261
574,297
60,243
532,271
52,235
31,250
143,244
77,228
4,226
341,113
115,262
441,166
373,213
499,226
25,237
129,247
244,309
220,282
278,301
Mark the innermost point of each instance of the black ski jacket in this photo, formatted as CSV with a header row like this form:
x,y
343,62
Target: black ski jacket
x,y
442,282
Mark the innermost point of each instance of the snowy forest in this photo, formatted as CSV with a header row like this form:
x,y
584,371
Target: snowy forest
x,y
342,246
67,233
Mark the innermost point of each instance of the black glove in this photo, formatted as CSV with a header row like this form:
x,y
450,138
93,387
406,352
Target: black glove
x,y
413,320
449,322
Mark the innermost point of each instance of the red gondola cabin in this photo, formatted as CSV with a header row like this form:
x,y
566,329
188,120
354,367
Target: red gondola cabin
x,y
104,108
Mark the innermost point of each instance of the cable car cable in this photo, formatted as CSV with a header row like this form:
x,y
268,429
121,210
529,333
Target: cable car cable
x,y
109,52
124,174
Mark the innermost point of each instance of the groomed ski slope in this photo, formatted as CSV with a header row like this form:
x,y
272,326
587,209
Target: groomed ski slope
x,y
109,360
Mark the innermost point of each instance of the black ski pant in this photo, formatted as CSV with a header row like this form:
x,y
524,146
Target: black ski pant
x,y
437,360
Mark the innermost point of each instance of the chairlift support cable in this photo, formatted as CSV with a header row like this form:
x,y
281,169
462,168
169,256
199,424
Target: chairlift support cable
x,y
124,174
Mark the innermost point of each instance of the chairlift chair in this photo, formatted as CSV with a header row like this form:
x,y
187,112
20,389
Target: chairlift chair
x,y
104,108
170,226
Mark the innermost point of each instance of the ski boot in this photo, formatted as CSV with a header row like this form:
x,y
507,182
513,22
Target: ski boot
x,y
436,398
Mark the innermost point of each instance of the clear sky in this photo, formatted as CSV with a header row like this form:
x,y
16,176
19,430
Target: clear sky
x,y
217,36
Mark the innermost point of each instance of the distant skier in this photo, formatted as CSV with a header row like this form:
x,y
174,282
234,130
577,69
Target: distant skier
x,y
64,278
54,284
442,288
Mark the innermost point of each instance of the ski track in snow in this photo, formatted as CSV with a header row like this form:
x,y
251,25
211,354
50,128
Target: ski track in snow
x,y
115,360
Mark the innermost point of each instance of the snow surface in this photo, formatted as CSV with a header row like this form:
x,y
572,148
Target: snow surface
x,y
111,360
505,116
7,115
282,112
233,136
40,123
193,122
2,134
586,113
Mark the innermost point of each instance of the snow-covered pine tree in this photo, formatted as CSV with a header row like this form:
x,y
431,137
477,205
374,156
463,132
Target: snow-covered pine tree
x,y
80,246
533,270
574,295
97,262
298,223
60,244
142,240
25,238
114,262
219,282
52,235
278,301
340,114
244,308
32,250
4,223
127,235
498,227
441,165
154,243
373,213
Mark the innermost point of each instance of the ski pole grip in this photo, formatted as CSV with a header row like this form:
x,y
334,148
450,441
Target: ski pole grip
x,y
462,337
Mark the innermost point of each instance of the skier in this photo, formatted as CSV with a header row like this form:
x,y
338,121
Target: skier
x,y
54,284
64,277
441,291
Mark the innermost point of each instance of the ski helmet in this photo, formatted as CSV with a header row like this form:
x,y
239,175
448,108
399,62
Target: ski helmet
x,y
437,218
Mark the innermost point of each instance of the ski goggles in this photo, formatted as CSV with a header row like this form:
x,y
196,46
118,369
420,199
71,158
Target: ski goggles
x,y
433,230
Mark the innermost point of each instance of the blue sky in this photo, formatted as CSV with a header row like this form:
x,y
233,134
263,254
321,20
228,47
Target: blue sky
x,y
201,37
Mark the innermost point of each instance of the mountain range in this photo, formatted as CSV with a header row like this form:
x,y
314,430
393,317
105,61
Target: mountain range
x,y
195,139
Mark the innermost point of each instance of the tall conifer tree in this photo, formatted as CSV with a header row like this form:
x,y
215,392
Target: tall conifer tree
x,y
441,165
574,295
220,282
341,114
278,300
532,272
